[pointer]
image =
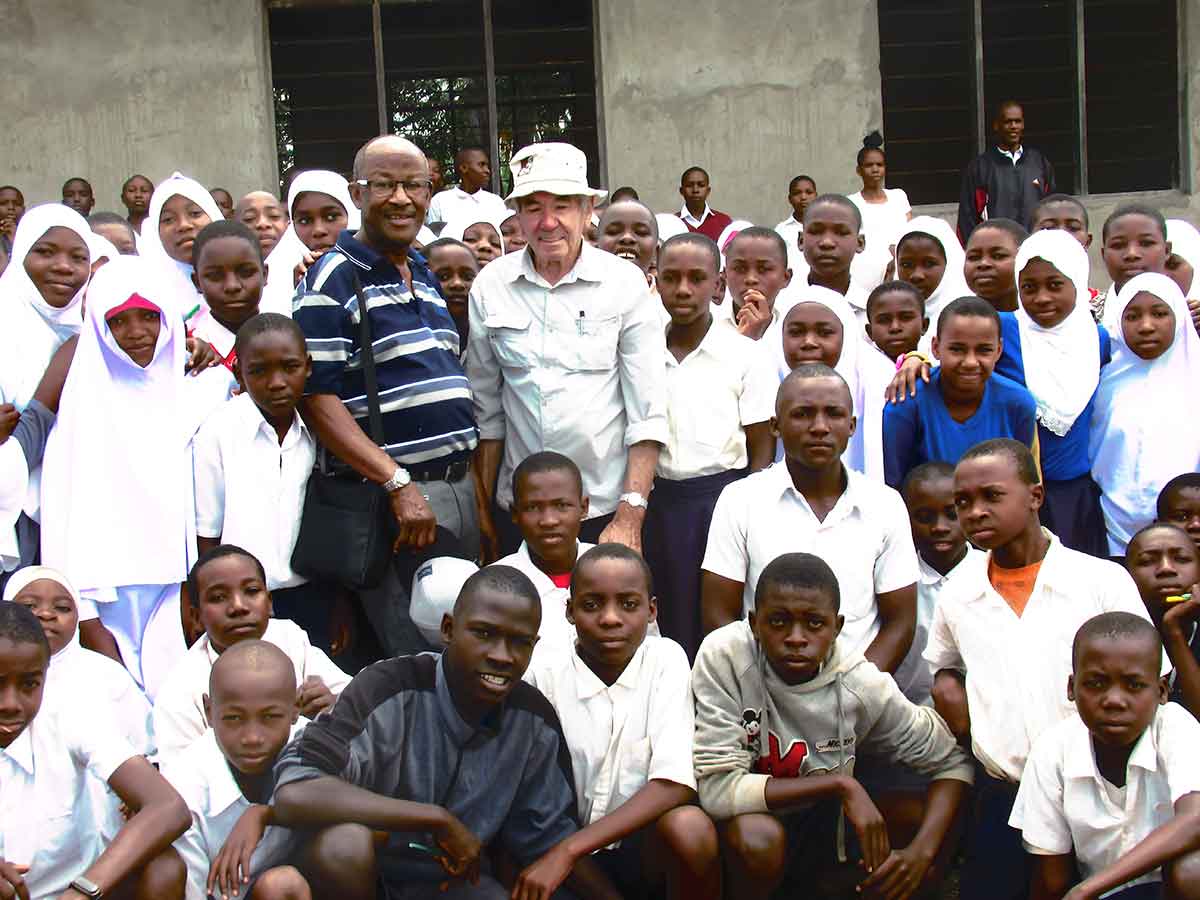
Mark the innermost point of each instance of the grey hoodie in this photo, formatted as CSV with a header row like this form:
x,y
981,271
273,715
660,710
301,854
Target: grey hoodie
x,y
750,726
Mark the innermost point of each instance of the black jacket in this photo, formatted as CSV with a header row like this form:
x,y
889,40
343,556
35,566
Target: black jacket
x,y
993,185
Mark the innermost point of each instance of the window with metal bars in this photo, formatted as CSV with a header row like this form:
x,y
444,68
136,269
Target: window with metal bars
x,y
1098,80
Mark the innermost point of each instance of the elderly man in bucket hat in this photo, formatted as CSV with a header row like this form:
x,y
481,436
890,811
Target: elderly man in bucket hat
x,y
565,353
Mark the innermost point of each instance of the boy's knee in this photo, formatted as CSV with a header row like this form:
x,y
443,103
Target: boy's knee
x,y
1182,877
281,883
757,843
342,848
690,836
163,878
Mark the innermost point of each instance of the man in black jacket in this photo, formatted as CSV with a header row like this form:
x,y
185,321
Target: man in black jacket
x,y
1007,180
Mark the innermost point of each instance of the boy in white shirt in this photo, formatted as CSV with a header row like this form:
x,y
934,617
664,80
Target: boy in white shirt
x,y
548,507
999,645
1114,790
624,702
811,502
228,592
50,845
252,460
225,777
720,396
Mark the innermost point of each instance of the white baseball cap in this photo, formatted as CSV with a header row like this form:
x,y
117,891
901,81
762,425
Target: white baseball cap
x,y
555,168
435,587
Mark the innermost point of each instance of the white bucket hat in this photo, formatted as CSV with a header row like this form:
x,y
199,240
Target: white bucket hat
x,y
555,168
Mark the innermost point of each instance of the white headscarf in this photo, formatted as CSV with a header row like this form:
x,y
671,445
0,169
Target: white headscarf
x,y
1146,426
117,494
31,330
457,227
953,284
793,296
101,247
176,276
27,576
1062,364
669,225
1185,240
289,251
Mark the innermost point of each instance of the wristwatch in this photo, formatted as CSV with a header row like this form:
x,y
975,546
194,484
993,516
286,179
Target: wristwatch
x,y
400,478
87,887
634,499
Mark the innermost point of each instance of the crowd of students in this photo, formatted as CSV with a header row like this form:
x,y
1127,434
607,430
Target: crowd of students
x,y
916,591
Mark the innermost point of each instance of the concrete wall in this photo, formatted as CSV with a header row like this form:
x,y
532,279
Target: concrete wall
x,y
756,92
106,88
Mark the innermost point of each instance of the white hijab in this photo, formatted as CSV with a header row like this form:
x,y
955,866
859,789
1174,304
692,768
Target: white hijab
x,y
1185,240
1146,426
117,493
290,250
31,330
1062,364
457,227
176,276
75,669
953,284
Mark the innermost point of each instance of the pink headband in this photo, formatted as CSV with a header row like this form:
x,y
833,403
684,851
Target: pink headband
x,y
135,301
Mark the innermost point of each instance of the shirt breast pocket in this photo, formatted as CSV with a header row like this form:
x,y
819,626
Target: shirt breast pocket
x,y
510,335
634,769
590,345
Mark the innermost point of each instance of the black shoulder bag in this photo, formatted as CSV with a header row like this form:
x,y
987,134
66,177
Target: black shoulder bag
x,y
347,529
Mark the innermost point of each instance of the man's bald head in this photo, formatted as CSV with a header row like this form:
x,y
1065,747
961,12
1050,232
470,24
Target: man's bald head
x,y
384,144
256,665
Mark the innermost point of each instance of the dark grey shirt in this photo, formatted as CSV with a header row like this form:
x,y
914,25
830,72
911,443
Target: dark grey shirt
x,y
396,731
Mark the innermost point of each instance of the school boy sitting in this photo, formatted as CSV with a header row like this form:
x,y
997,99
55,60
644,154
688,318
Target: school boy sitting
x,y
624,700
50,845
783,710
252,458
453,756
811,501
965,401
227,589
228,271
548,507
999,644
1166,569
225,776
720,396
1114,790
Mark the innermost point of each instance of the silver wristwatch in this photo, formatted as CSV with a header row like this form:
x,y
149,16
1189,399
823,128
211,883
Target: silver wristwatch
x,y
87,887
400,478
634,499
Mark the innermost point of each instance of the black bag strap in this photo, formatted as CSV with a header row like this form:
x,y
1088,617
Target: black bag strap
x,y
374,414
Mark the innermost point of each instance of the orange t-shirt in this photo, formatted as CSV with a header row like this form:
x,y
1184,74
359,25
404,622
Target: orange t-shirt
x,y
1014,585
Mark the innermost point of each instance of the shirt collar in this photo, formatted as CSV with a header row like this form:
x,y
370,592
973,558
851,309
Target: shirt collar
x,y
687,216
588,683
589,266
1014,155
368,258
845,503
223,790
930,575
461,732
1079,759
256,423
20,751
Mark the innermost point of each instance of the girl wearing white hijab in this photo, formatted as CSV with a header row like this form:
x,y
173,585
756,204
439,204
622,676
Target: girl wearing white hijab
x,y
332,190
170,230
950,286
483,243
117,497
1146,426
1054,347
36,319
1184,263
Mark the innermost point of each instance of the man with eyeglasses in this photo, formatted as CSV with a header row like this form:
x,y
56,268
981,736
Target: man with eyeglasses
x,y
471,197
428,424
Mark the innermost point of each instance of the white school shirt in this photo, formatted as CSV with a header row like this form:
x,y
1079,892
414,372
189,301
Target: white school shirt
x,y
1065,804
555,633
576,368
202,776
250,488
1017,666
875,373
866,539
179,705
46,817
692,220
712,395
453,203
913,676
789,229
623,735
882,224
